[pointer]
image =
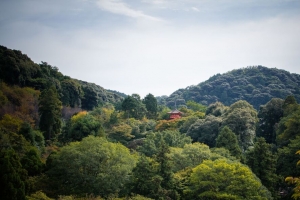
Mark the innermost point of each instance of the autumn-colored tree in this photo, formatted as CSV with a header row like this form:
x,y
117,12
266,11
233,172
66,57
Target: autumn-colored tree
x,y
296,182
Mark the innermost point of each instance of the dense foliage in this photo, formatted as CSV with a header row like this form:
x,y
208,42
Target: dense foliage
x,y
256,85
62,138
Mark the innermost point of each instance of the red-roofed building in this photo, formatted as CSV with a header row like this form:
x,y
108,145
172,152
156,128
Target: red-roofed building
x,y
175,114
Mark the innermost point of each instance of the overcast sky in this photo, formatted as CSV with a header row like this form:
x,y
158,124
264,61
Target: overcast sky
x,y
153,46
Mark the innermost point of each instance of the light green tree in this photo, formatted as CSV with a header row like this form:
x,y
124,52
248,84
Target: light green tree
x,y
92,166
190,155
223,179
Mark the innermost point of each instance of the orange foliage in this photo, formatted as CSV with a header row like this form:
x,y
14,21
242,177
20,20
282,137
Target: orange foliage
x,y
22,103
78,116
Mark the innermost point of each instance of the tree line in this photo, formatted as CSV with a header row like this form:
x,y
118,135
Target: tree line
x,y
55,144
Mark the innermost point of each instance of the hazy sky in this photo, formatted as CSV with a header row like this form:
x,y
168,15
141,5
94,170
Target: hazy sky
x,y
153,46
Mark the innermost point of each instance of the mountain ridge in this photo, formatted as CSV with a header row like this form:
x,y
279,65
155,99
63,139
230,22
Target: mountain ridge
x,y
255,84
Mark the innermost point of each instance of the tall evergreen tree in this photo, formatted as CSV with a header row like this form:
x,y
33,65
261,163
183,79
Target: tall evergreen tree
x,y
165,171
50,113
262,162
269,115
151,106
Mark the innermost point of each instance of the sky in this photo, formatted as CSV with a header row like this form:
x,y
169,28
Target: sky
x,y
153,46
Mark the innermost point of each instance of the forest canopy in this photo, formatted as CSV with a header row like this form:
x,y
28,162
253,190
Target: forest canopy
x,y
236,136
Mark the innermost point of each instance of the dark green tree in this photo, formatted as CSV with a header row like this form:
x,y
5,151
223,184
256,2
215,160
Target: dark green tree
x,y
269,116
145,180
50,113
12,176
287,158
31,161
134,107
151,106
263,162
89,100
228,140
205,130
289,105
72,93
165,171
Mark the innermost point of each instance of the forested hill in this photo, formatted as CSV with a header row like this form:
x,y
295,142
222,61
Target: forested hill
x,y
257,85
18,69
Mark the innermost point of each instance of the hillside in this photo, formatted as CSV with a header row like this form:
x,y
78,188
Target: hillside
x,y
257,85
59,139
17,68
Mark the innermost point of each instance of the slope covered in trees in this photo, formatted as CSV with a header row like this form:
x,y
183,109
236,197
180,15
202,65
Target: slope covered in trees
x,y
257,85
51,148
18,69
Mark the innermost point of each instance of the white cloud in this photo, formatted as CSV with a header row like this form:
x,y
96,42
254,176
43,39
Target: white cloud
x,y
195,9
121,8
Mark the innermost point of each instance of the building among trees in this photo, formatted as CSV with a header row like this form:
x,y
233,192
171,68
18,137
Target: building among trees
x,y
175,114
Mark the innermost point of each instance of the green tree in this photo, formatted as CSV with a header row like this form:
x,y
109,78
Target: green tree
x,y
196,106
72,93
92,166
165,171
205,130
171,138
151,106
223,179
89,100
296,181
12,176
83,126
217,109
269,116
145,180
134,107
50,113
288,127
189,156
241,118
31,161
228,140
263,162
287,159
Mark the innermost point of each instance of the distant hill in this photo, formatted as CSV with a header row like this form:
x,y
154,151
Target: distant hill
x,y
17,68
256,84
